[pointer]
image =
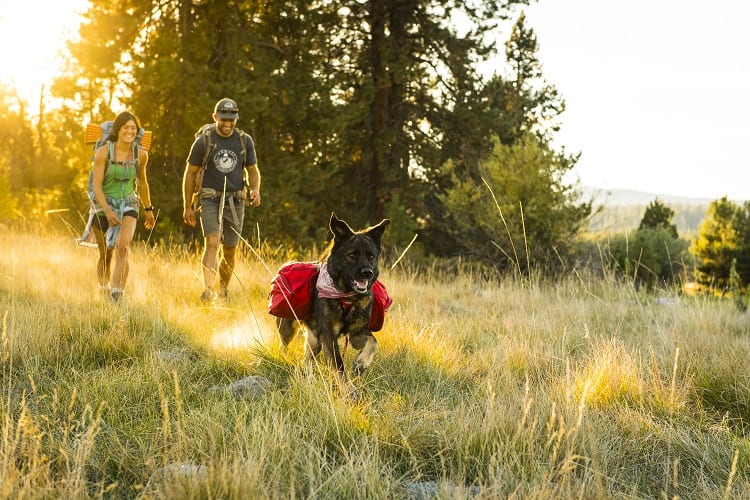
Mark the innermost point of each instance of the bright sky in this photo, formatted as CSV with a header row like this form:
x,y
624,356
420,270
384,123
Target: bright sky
x,y
32,33
657,92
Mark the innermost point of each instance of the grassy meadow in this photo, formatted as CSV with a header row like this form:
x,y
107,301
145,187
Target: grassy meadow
x,y
583,388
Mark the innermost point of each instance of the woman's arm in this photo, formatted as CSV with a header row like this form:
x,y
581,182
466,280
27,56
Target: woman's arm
x,y
144,191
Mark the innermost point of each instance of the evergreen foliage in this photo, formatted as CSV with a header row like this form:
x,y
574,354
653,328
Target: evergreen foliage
x,y
742,257
650,256
653,255
657,216
17,157
718,243
523,215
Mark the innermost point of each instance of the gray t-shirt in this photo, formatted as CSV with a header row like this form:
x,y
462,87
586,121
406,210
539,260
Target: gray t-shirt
x,y
224,161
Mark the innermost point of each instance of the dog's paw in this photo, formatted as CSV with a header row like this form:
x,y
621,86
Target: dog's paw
x,y
358,368
352,394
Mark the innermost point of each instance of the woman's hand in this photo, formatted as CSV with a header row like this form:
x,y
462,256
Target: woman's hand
x,y
150,220
112,218
188,216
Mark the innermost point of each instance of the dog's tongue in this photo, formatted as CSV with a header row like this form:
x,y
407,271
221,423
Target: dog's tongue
x,y
361,285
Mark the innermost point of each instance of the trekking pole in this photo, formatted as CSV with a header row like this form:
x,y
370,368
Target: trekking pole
x,y
221,208
252,310
151,231
222,200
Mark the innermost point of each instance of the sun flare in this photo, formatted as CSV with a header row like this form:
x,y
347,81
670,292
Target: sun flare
x,y
243,335
33,34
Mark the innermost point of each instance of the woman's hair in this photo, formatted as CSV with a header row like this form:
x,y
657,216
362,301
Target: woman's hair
x,y
121,120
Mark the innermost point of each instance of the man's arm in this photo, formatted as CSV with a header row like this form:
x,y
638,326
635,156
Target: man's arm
x,y
253,182
189,181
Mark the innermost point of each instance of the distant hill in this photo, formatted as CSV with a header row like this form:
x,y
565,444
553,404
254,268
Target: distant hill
x,y
623,209
622,197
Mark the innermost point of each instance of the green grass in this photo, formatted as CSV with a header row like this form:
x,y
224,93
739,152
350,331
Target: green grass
x,y
581,388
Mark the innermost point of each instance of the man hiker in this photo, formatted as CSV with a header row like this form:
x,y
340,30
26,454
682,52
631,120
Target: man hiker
x,y
221,174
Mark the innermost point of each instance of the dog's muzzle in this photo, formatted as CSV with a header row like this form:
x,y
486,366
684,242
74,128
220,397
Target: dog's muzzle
x,y
361,284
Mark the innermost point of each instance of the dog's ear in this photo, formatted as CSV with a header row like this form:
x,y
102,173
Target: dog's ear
x,y
339,228
376,231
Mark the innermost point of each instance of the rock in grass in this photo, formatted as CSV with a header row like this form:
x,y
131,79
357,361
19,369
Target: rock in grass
x,y
176,474
251,387
173,355
429,490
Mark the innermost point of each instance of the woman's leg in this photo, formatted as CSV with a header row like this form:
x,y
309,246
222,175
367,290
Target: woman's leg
x,y
103,264
124,238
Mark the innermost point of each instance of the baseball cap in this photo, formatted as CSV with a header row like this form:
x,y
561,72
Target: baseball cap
x,y
227,109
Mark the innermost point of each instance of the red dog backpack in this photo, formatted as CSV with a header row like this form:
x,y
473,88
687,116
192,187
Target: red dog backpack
x,y
381,302
292,290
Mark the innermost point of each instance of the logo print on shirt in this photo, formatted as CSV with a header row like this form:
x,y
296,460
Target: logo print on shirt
x,y
225,160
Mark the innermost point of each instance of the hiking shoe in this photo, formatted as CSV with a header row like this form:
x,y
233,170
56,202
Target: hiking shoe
x,y
208,296
116,295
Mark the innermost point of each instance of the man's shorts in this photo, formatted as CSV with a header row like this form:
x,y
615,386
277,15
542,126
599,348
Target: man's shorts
x,y
232,228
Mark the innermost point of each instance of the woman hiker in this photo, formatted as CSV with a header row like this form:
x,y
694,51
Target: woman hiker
x,y
120,184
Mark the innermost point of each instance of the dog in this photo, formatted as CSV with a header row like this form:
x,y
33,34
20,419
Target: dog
x,y
342,300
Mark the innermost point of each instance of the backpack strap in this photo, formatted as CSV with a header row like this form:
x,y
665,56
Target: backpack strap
x,y
110,157
243,154
243,146
208,144
136,159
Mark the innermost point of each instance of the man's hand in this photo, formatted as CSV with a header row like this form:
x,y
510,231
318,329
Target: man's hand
x,y
188,216
254,195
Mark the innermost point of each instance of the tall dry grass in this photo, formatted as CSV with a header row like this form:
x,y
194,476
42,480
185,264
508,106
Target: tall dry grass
x,y
510,388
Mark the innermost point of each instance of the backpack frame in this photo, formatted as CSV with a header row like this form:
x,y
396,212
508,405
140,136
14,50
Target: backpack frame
x,y
97,135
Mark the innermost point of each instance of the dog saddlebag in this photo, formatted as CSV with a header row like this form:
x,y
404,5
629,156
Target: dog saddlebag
x,y
292,290
381,302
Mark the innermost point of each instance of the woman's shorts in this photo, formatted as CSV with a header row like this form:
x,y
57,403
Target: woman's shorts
x,y
128,207
100,220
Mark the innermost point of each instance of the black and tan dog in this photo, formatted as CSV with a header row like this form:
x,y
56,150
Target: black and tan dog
x,y
343,299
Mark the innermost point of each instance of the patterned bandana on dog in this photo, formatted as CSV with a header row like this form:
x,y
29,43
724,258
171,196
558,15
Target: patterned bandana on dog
x,y
325,286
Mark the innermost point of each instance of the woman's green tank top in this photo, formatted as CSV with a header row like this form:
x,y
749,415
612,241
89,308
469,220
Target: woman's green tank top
x,y
120,176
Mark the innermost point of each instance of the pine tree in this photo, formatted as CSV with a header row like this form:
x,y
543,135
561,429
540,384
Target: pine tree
x,y
658,216
717,244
